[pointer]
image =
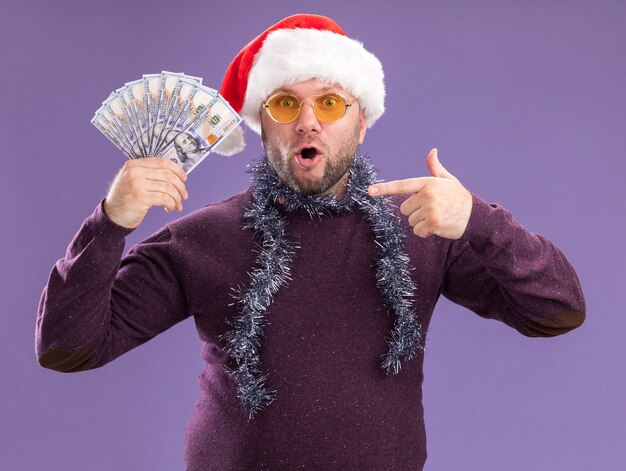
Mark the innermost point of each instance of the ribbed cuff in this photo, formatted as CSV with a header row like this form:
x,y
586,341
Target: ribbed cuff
x,y
102,225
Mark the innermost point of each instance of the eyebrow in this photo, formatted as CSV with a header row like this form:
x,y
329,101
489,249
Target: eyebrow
x,y
322,90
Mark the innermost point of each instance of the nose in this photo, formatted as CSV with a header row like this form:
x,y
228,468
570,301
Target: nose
x,y
307,120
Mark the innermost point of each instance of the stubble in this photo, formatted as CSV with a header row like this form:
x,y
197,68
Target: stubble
x,y
281,157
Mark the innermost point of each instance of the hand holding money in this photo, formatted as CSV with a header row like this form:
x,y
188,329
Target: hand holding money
x,y
166,124
141,184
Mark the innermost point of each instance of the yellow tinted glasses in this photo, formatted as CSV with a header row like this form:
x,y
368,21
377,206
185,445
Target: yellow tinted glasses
x,y
284,107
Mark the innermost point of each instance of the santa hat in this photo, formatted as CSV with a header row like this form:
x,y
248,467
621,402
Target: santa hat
x,y
296,49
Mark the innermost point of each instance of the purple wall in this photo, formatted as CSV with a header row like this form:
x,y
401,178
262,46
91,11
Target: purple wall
x,y
526,104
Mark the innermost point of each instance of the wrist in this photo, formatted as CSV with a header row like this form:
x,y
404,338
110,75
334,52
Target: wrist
x,y
109,212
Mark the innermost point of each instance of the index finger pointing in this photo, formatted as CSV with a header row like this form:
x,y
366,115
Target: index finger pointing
x,y
398,187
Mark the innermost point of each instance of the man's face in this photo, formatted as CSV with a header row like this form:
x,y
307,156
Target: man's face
x,y
186,143
335,144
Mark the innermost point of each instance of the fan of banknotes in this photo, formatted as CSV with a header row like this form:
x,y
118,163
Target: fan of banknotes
x,y
170,115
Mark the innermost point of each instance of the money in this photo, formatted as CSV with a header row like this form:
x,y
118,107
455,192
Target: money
x,y
169,115
168,101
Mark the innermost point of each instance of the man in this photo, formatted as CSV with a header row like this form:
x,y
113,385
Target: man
x,y
314,315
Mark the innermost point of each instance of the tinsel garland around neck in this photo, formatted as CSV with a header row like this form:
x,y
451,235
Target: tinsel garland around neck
x,y
271,271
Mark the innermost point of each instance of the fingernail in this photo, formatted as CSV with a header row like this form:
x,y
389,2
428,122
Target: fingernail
x,y
373,190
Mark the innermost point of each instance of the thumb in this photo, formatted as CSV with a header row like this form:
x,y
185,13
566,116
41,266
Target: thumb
x,y
434,166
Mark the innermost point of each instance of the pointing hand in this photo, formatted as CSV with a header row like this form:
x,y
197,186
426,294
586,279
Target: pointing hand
x,y
439,204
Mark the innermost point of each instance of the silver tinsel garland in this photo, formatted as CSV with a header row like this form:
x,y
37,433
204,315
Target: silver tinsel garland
x,y
275,256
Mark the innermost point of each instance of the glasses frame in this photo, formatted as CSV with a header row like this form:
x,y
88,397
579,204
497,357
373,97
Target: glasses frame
x,y
347,104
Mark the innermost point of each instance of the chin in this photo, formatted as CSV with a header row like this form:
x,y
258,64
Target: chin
x,y
307,189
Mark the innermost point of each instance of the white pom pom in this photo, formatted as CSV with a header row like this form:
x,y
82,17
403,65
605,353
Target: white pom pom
x,y
231,144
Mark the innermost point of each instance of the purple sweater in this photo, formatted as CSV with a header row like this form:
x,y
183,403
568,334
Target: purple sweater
x,y
336,408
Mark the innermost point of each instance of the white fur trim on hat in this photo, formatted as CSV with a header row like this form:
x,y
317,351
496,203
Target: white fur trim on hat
x,y
231,144
295,55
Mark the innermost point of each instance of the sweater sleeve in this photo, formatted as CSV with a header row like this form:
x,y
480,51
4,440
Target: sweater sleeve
x,y
501,271
97,306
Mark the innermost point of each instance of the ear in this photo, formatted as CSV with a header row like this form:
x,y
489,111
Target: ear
x,y
362,126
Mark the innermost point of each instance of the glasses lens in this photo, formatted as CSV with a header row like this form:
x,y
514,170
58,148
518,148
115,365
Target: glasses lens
x,y
329,107
284,108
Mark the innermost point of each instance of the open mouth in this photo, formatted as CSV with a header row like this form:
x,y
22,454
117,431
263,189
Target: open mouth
x,y
308,157
308,153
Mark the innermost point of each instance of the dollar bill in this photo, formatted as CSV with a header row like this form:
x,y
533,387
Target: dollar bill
x,y
169,94
106,128
151,84
211,119
123,100
115,112
134,97
106,118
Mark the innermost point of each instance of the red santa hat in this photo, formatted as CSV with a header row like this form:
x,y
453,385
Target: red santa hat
x,y
296,49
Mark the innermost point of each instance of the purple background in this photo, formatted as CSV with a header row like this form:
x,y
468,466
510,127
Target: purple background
x,y
526,104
